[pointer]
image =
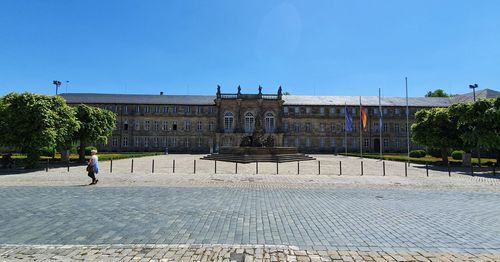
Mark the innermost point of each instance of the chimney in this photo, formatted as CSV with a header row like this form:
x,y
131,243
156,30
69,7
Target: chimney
x,y
161,93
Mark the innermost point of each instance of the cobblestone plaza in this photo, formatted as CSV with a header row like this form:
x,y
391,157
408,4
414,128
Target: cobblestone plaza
x,y
249,217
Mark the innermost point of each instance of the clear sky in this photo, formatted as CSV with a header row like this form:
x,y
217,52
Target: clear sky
x,y
308,47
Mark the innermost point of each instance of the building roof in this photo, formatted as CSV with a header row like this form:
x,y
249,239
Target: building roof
x,y
95,98
289,100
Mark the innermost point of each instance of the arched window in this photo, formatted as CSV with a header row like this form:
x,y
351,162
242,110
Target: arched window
x,y
228,121
269,122
249,122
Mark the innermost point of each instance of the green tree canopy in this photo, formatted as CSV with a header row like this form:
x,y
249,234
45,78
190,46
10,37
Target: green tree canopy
x,y
437,93
96,125
30,122
435,128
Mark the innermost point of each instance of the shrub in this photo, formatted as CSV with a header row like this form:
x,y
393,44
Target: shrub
x,y
88,149
417,153
47,151
457,154
435,152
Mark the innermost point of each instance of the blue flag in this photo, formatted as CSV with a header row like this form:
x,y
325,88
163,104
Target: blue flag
x,y
348,120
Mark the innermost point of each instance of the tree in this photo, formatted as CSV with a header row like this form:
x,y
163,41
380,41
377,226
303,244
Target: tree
x,y
96,125
479,123
437,93
30,122
435,128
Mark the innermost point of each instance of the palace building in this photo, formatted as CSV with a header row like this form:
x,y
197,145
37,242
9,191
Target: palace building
x,y
202,124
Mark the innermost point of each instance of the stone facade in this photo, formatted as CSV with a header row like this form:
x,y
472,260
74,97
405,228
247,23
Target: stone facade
x,y
202,124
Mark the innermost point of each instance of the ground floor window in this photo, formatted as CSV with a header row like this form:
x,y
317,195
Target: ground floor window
x,y
125,142
386,142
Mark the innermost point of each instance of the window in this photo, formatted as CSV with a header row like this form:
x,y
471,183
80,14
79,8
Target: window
x,y
385,111
146,109
285,109
285,126
187,109
137,109
269,122
228,121
165,109
125,125
125,109
308,141
308,110
366,142
297,142
163,141
199,110
187,125
174,109
137,125
211,109
332,142
308,127
137,142
342,110
322,127
396,128
156,125
375,111
199,141
332,127
199,126
385,127
322,142
354,111
174,126
155,141
115,142
146,142
249,122
386,142
332,110
397,111
296,127
297,110
211,126
124,141
164,127
322,110
146,125
398,143
157,109
186,143
174,142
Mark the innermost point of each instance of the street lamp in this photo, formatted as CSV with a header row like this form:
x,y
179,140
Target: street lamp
x,y
473,87
57,84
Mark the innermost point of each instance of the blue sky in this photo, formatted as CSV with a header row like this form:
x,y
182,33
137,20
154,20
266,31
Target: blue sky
x,y
307,47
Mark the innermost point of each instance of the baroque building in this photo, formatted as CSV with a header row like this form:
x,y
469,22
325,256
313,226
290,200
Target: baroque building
x,y
202,124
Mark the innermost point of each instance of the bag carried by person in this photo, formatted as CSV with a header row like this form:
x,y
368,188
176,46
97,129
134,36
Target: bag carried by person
x,y
90,168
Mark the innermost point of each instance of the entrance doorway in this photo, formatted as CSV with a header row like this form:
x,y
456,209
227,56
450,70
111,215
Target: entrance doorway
x,y
376,145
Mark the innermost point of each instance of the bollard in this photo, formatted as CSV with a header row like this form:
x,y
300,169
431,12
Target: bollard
x,y
236,168
471,169
298,167
111,166
406,170
152,166
257,167
383,168
319,167
277,170
132,166
173,166
449,172
194,166
47,167
361,167
340,167
215,167
68,165
427,168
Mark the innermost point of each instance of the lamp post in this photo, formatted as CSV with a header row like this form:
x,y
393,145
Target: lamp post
x,y
57,84
473,87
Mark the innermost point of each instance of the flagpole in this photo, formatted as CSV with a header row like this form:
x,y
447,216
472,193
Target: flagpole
x,y
380,122
407,122
360,130
345,129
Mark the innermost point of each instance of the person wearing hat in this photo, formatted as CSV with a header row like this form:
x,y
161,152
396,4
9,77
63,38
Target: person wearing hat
x,y
93,167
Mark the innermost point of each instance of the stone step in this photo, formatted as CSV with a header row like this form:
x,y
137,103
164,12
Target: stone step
x,y
281,158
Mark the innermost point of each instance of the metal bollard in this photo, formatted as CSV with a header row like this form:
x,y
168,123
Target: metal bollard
x,y
340,167
173,166
68,164
383,168
111,166
152,166
194,166
319,167
132,166
471,169
427,168
277,168
406,170
298,167
361,167
257,167
215,167
236,167
449,172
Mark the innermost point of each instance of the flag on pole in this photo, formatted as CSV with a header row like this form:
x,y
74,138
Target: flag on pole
x,y
363,118
348,120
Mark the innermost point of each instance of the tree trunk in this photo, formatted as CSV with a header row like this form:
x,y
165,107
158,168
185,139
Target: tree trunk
x,y
498,157
81,152
444,155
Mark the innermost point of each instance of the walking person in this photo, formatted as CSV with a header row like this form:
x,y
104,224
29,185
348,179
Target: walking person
x,y
93,167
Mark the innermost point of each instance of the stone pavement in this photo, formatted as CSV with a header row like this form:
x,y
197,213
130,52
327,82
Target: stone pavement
x,y
223,253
